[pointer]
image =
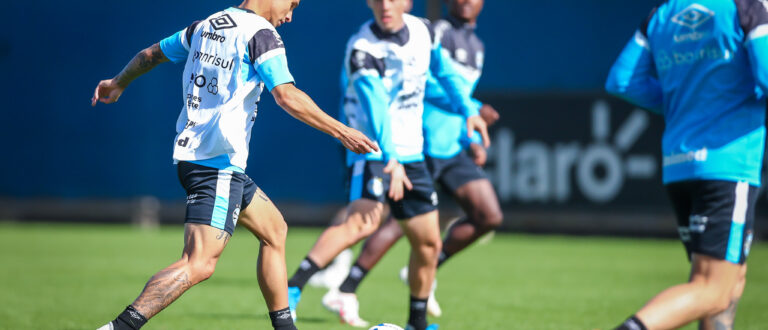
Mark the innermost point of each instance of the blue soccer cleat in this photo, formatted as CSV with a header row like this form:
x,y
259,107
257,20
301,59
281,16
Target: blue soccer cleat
x,y
429,327
294,295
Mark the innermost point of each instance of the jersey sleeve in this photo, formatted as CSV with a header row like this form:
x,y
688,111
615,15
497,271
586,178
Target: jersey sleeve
x,y
753,18
450,80
365,74
176,47
266,52
633,75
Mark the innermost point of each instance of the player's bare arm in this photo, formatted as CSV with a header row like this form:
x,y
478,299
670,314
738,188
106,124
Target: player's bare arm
x,y
398,180
476,123
108,91
299,105
489,114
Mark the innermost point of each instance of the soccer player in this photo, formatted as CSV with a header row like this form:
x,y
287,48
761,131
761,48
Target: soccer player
x,y
386,67
230,57
703,65
448,151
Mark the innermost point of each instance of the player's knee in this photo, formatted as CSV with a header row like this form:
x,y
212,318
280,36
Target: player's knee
x,y
277,234
718,297
493,219
430,248
201,271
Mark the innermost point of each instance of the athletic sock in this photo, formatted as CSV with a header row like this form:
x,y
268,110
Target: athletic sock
x,y
129,319
632,323
444,255
356,275
281,320
307,268
418,314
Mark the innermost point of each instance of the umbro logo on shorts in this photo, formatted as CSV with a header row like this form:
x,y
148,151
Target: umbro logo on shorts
x,y
222,22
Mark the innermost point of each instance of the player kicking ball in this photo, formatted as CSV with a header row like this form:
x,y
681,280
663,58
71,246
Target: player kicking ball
x,y
453,159
386,68
230,57
703,65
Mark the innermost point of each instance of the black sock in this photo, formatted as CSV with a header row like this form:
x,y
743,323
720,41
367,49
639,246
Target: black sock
x,y
129,319
418,315
281,320
632,323
442,258
356,275
307,268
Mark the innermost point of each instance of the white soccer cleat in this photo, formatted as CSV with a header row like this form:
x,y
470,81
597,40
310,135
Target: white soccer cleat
x,y
346,305
433,307
332,276
107,326
332,301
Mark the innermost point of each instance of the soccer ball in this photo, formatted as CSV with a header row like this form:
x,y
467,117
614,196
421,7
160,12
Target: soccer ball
x,y
385,326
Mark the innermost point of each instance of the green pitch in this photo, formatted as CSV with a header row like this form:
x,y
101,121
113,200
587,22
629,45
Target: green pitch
x,y
81,276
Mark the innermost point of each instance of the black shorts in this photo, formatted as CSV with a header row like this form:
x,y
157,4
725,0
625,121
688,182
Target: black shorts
x,y
454,172
367,180
215,197
715,218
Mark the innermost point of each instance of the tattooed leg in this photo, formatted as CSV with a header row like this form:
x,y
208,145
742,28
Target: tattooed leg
x,y
162,289
722,321
203,246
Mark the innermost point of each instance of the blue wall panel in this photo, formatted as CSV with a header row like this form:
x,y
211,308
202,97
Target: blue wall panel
x,y
55,145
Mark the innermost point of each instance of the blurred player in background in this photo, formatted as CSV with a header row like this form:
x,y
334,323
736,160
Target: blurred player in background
x,y
386,68
454,159
230,57
703,65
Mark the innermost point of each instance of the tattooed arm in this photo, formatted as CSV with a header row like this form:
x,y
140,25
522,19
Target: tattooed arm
x,y
108,91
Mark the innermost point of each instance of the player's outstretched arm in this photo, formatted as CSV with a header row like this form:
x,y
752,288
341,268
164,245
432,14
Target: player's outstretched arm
x,y
299,105
108,91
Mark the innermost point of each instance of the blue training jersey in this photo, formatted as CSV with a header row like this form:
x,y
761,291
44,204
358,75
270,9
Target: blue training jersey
x,y
445,131
703,65
384,82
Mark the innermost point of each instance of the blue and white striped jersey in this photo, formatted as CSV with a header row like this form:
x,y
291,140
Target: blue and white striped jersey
x,y
384,79
230,56
445,131
702,64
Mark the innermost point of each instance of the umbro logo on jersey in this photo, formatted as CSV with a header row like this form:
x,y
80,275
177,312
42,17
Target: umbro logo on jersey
x,y
693,16
222,22
213,36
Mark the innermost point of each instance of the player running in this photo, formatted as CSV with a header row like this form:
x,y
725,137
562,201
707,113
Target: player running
x,y
453,159
386,67
230,57
703,65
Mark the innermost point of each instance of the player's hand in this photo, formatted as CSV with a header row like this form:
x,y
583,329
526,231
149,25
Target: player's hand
x,y
357,142
476,123
108,91
398,180
489,114
479,155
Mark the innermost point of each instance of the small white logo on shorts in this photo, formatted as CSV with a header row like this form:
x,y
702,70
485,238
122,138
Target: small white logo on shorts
x,y
434,198
235,215
376,186
685,234
748,243
698,223
192,199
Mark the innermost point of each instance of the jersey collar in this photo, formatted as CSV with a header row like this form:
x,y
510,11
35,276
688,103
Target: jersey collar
x,y
400,37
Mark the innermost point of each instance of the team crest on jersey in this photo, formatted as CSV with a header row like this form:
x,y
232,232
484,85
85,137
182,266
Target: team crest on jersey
x,y
433,197
222,22
375,186
693,16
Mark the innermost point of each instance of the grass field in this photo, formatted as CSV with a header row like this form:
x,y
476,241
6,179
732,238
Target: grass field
x,y
81,276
